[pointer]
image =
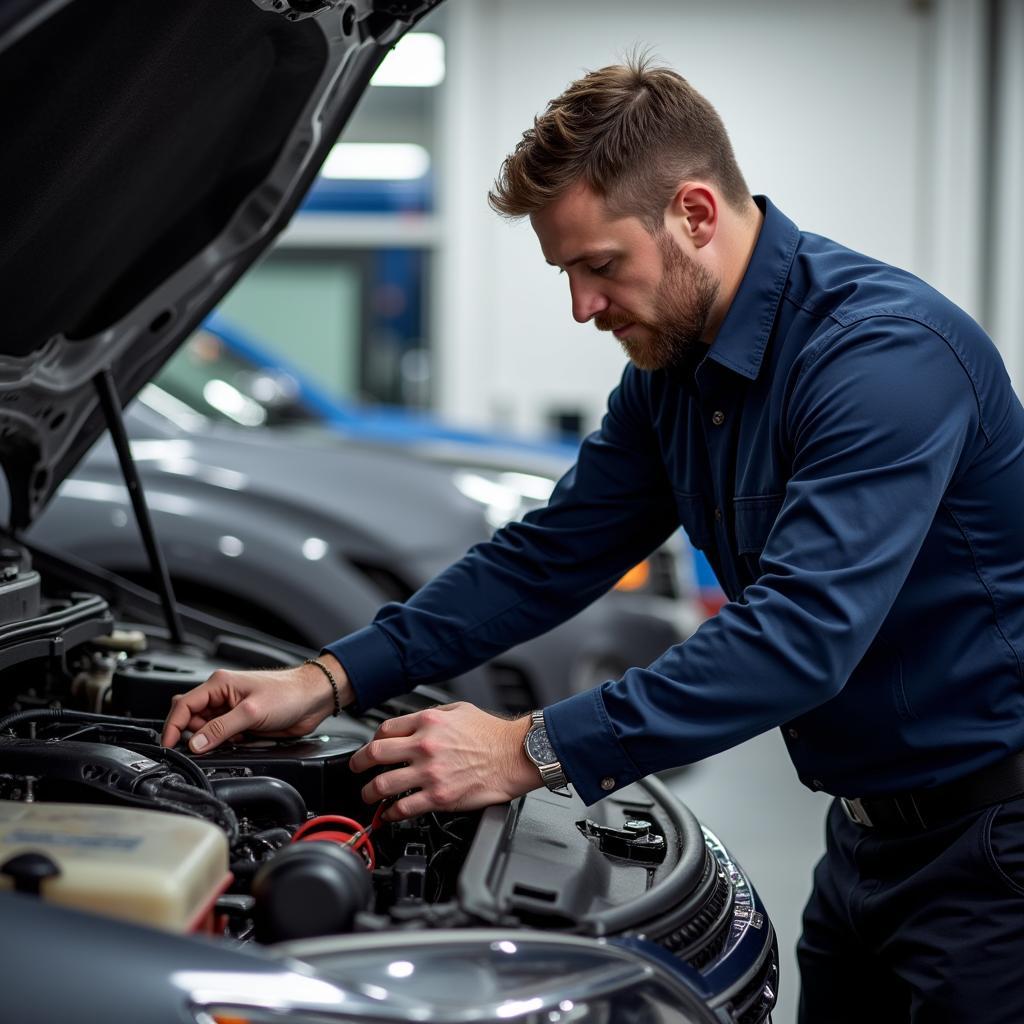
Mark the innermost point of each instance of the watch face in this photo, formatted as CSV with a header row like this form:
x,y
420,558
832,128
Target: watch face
x,y
538,746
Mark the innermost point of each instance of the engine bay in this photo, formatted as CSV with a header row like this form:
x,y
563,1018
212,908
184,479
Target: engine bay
x,y
267,840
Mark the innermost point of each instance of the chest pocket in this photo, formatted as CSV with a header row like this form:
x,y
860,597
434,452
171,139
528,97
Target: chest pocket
x,y
754,519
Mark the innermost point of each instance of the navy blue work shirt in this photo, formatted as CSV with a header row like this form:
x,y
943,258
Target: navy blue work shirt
x,y
848,454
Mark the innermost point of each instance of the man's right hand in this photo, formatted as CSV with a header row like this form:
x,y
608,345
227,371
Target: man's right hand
x,y
285,702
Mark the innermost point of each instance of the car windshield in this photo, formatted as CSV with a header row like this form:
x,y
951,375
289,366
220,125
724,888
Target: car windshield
x,y
224,384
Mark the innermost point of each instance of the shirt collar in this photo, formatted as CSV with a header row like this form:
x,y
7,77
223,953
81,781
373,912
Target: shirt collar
x,y
743,336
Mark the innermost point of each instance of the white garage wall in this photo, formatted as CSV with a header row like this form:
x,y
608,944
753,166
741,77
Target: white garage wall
x,y
1006,297
860,120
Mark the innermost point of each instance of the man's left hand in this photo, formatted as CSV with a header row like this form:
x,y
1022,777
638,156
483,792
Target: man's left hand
x,y
456,756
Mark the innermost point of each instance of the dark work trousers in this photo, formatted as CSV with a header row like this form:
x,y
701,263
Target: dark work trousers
x,y
924,927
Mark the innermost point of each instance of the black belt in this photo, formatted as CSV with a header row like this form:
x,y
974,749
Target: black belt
x,y
927,808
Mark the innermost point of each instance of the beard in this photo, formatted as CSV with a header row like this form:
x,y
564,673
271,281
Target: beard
x,y
683,301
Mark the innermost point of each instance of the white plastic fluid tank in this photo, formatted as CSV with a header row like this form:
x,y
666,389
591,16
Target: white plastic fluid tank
x,y
164,870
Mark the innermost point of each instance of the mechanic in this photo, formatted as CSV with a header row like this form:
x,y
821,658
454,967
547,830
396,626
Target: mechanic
x,y
845,446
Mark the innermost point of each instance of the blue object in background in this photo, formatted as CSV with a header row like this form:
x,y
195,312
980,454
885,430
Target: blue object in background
x,y
370,422
709,593
331,195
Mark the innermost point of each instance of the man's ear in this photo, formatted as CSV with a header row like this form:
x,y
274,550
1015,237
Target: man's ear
x,y
692,213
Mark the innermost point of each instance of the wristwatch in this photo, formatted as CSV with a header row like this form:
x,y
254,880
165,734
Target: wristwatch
x,y
539,750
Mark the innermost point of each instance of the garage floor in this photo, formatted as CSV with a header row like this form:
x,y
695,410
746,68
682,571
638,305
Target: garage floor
x,y
751,798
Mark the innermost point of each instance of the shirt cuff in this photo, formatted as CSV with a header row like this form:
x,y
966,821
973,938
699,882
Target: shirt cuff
x,y
587,747
372,665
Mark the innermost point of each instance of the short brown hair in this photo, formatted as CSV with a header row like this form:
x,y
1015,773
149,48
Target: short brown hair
x,y
631,132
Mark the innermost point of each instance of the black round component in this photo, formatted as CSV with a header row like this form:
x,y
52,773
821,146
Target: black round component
x,y
29,871
308,889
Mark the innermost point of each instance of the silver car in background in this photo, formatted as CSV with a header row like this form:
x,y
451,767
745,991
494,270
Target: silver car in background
x,y
304,534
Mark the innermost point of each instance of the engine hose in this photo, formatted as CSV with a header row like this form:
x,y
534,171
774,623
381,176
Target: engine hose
x,y
151,801
185,764
198,797
185,796
273,837
262,798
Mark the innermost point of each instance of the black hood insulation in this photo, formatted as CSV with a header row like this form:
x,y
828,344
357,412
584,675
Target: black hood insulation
x,y
132,132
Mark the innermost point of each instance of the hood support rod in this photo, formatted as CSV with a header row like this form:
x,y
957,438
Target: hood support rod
x,y
115,424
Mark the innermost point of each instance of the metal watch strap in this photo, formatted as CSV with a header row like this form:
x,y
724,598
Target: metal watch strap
x,y
552,775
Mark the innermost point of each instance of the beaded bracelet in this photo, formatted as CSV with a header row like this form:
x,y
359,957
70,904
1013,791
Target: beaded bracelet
x,y
330,678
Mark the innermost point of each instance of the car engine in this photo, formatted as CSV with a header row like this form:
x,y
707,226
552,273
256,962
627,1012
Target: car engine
x,y
264,839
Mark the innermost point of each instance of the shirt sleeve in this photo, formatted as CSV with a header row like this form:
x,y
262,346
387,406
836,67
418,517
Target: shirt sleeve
x,y
606,514
879,418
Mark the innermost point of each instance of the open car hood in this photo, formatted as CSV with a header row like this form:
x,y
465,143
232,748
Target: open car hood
x,y
152,151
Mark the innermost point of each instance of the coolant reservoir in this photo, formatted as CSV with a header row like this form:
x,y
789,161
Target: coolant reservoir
x,y
164,870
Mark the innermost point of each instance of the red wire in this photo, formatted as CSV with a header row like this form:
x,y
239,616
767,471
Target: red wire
x,y
324,819
334,837
362,844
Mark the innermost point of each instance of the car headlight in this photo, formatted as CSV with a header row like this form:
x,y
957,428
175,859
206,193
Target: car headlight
x,y
481,976
505,496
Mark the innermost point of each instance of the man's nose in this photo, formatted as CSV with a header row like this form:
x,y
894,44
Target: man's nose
x,y
586,303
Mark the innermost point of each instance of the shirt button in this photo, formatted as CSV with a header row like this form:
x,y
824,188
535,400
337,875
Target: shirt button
x,y
793,734
607,783
718,418
718,515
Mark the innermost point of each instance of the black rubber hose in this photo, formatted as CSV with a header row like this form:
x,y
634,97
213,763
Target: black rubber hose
x,y
181,761
173,790
272,837
262,798
151,801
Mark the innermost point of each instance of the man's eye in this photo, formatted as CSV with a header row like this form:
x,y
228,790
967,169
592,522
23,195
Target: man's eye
x,y
601,270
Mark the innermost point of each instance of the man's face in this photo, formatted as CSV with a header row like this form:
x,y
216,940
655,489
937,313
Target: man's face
x,y
642,287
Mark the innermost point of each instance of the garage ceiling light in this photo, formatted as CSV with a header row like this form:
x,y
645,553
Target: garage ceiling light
x,y
417,60
376,161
